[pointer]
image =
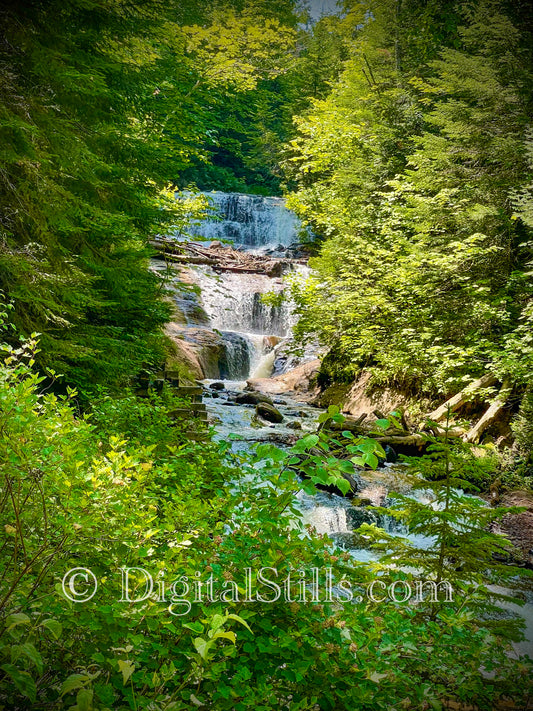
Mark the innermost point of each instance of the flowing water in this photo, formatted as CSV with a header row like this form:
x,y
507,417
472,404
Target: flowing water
x,y
253,221
252,332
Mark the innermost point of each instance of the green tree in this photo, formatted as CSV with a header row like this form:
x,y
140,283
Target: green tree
x,y
405,172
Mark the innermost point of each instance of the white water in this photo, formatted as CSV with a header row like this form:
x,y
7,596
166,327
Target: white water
x,y
250,220
250,328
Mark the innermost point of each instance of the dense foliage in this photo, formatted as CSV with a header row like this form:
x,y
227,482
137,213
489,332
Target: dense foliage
x,y
412,165
414,173
102,493
103,105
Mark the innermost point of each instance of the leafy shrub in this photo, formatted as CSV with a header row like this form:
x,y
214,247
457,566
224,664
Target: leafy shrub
x,y
71,498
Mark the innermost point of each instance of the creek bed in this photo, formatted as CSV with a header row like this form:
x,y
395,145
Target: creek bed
x,y
330,514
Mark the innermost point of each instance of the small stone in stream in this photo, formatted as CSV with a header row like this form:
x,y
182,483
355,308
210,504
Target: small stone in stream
x,y
214,394
279,401
274,269
291,413
252,398
296,425
268,412
217,386
230,403
302,413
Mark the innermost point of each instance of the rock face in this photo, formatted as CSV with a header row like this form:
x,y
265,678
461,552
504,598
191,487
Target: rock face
x,y
286,360
359,398
269,412
518,527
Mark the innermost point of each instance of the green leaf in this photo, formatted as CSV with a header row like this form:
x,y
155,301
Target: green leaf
x,y
22,680
84,700
308,486
239,619
217,621
343,485
73,682
368,445
127,668
382,424
370,459
19,618
310,441
29,651
226,635
202,647
54,626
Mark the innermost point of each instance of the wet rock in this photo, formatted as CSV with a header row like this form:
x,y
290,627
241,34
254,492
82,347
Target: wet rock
x,y
274,269
301,382
296,425
215,243
268,412
279,401
215,394
252,398
230,403
217,386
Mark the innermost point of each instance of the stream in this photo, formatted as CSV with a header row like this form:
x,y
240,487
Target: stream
x,y
253,338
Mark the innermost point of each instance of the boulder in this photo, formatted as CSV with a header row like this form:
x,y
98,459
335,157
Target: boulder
x,y
296,425
301,382
252,398
274,269
217,386
268,412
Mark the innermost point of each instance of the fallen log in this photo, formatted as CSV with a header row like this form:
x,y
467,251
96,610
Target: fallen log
x,y
187,259
474,435
412,440
455,402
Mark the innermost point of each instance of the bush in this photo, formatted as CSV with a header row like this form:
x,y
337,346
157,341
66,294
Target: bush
x,y
72,498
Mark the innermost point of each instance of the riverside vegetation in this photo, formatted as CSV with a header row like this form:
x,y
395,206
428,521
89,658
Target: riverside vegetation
x,y
409,158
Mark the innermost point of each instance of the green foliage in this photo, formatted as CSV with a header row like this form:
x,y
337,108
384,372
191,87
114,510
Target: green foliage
x,y
73,494
103,106
460,551
405,172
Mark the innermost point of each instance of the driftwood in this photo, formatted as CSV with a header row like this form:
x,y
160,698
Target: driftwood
x,y
222,258
455,402
411,440
474,435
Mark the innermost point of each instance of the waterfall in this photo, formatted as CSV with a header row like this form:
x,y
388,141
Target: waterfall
x,y
247,328
233,303
235,364
249,220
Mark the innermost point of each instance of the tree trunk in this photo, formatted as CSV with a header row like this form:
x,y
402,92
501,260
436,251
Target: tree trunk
x,y
463,396
492,414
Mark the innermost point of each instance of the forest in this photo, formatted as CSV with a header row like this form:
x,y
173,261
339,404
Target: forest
x,y
289,473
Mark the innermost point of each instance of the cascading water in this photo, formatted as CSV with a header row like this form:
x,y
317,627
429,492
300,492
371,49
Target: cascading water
x,y
249,220
249,327
249,331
